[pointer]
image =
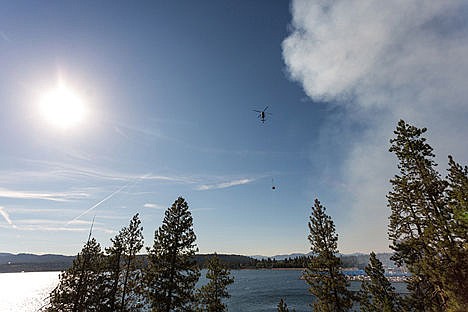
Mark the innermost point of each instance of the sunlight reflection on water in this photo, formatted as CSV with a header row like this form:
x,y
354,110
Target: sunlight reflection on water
x,y
24,292
252,291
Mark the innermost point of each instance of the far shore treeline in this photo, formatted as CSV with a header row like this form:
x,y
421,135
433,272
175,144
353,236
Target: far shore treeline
x,y
37,263
10,263
428,232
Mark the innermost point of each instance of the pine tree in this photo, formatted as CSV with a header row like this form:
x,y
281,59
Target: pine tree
x,y
172,272
458,193
123,289
378,294
327,283
210,296
422,227
455,280
82,286
114,266
282,306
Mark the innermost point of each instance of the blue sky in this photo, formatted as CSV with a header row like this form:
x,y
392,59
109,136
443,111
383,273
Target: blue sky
x,y
169,89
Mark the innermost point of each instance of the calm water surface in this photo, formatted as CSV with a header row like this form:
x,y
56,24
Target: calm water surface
x,y
253,290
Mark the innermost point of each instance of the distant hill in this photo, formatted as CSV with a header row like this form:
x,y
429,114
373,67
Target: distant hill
x,y
281,257
33,263
231,261
32,258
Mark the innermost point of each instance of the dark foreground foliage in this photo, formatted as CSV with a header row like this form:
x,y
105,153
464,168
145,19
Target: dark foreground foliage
x,y
428,227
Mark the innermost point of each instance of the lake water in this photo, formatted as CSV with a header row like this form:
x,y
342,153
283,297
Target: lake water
x,y
253,290
25,292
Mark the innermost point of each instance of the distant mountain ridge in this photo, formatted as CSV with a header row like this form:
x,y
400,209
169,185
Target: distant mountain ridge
x,y
53,262
31,262
32,258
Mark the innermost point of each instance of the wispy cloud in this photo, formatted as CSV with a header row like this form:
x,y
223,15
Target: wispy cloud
x,y
379,62
223,185
56,171
154,206
51,171
22,210
104,216
83,222
52,196
126,131
49,225
52,228
6,216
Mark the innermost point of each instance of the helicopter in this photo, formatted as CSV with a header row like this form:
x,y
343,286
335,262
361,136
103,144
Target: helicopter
x,y
262,114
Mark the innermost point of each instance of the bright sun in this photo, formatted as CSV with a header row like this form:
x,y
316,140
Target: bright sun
x,y
62,107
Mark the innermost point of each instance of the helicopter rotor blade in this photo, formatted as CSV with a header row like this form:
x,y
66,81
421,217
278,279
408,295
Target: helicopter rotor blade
x,y
265,108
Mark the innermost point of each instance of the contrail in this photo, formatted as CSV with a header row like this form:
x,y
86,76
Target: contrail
x,y
106,198
6,216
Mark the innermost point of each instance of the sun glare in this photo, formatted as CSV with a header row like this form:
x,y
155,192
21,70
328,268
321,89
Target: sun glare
x,y
62,107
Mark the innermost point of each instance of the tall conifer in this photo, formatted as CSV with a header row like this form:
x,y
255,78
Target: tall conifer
x,y
282,306
458,194
422,228
172,272
124,275
327,283
456,279
377,294
82,286
210,296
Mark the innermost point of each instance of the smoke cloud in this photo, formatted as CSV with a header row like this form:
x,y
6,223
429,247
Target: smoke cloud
x,y
378,62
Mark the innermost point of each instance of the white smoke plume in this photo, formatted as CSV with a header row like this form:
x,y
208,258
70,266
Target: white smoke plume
x,y
381,61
